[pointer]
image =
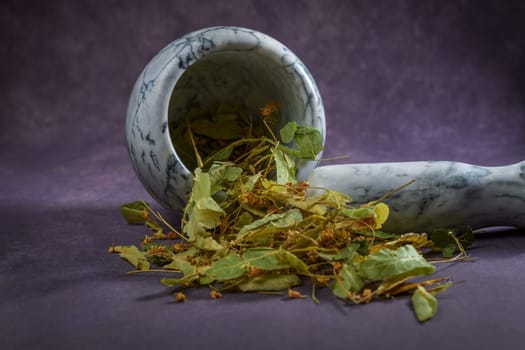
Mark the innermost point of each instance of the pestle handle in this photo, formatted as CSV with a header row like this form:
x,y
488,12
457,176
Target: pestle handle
x,y
445,194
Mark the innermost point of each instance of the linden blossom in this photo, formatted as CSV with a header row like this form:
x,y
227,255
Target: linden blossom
x,y
251,226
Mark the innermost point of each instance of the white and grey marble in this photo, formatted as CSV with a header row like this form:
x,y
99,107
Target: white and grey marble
x,y
445,194
201,70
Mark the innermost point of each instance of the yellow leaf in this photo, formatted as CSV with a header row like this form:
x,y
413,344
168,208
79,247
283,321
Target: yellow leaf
x,y
381,212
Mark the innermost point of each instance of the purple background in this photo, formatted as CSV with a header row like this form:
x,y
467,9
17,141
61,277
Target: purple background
x,y
401,80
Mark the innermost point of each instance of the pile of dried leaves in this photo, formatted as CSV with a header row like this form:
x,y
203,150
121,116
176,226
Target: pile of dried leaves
x,y
251,226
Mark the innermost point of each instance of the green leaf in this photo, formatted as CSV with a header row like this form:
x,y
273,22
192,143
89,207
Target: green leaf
x,y
285,168
336,199
443,240
231,173
208,213
204,212
244,219
358,213
227,268
347,280
259,223
207,243
288,132
313,204
274,259
393,264
467,238
134,256
269,282
135,212
250,182
170,282
346,254
309,142
292,217
290,151
205,279
182,265
265,259
424,304
363,247
201,185
281,220
153,225
220,156
294,262
221,174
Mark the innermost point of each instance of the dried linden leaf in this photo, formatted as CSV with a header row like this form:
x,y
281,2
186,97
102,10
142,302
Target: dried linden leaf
x,y
285,168
227,268
288,132
134,256
443,240
269,282
425,304
135,212
309,142
381,212
347,280
393,264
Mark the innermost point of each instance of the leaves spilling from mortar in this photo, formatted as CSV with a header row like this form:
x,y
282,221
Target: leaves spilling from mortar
x,y
251,226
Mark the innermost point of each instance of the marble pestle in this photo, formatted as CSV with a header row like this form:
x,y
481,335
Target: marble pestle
x,y
444,194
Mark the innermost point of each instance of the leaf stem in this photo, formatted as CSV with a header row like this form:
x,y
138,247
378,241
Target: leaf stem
x,y
134,272
389,194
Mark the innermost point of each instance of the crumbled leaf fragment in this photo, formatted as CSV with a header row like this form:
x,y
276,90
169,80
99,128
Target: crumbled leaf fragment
x,y
424,304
